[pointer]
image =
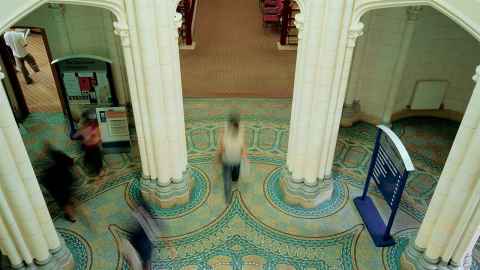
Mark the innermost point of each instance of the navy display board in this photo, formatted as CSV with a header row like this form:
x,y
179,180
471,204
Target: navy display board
x,y
389,169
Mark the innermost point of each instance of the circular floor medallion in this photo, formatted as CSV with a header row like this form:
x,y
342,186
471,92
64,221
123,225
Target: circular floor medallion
x,y
199,194
275,197
81,251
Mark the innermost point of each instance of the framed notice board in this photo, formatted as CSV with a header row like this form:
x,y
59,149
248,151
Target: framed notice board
x,y
113,122
86,82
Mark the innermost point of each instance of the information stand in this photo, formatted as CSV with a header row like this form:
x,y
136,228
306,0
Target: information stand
x,y
113,123
86,83
389,169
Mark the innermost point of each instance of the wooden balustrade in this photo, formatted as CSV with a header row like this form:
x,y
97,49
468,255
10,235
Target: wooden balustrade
x,y
286,13
187,9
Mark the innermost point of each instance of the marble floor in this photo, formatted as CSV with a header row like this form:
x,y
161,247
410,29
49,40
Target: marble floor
x,y
258,230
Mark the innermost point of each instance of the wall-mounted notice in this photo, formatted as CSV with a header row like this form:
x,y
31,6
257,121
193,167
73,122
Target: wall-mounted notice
x,y
113,122
86,81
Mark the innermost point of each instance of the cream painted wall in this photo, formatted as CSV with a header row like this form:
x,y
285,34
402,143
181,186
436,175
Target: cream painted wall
x,y
85,31
440,50
382,42
76,29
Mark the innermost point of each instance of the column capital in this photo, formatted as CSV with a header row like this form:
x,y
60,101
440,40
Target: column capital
x,y
300,23
121,30
476,76
413,13
56,6
355,31
57,10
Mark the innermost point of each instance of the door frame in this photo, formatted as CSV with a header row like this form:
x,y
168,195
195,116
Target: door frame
x,y
43,33
9,63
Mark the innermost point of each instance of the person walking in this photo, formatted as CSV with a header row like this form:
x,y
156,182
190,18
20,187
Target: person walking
x,y
17,42
232,150
89,132
59,180
138,248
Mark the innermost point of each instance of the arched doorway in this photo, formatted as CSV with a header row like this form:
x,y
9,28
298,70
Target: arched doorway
x,y
95,38
419,66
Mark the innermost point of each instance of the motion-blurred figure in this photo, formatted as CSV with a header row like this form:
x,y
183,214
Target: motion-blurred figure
x,y
89,132
17,41
138,249
59,181
231,151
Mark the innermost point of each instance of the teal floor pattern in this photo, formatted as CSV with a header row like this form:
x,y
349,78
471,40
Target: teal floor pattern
x,y
258,230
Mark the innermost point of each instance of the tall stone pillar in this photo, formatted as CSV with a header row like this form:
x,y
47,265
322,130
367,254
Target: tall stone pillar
x,y
27,232
115,55
153,67
400,63
323,27
351,108
451,225
337,99
360,51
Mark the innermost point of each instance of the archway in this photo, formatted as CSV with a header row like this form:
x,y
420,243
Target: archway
x,y
103,22
405,73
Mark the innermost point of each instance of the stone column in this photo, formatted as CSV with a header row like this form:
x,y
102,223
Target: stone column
x,y
356,30
296,100
451,225
140,114
400,63
323,28
27,231
153,67
351,108
115,55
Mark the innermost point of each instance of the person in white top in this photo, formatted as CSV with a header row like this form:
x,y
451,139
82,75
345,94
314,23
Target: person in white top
x,y
17,43
232,150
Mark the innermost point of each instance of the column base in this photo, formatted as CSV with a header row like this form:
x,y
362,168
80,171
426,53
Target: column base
x,y
297,192
413,259
177,192
351,114
59,259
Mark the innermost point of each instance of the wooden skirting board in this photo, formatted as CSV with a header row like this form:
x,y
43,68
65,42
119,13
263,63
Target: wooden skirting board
x,y
374,120
444,114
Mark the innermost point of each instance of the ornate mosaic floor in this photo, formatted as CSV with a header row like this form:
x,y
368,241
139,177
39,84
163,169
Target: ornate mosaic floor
x,y
258,230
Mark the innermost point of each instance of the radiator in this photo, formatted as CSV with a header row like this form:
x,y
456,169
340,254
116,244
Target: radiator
x,y
428,95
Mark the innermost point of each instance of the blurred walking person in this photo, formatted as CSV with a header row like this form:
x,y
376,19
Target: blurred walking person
x,y
89,132
17,41
59,181
232,150
138,249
